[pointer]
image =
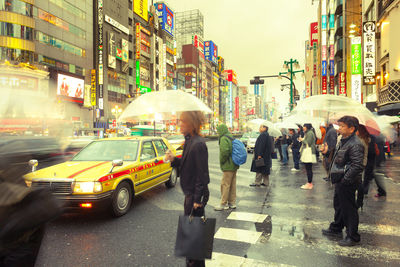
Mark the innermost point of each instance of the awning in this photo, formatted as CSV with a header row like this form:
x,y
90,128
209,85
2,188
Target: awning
x,y
392,109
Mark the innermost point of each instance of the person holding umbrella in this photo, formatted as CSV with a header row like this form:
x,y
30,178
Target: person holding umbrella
x,y
193,168
308,153
262,161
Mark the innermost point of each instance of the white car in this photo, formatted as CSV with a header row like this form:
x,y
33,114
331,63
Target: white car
x,y
251,142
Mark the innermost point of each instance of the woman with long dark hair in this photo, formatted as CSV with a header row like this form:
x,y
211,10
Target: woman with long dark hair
x,y
308,154
193,168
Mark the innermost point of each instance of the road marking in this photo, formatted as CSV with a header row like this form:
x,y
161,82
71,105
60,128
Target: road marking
x,y
241,171
225,260
238,235
247,216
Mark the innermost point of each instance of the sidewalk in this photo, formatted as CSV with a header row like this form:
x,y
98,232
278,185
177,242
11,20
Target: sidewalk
x,y
391,167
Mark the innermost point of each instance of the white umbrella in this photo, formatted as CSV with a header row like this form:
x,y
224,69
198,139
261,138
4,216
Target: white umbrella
x,y
286,125
272,130
162,105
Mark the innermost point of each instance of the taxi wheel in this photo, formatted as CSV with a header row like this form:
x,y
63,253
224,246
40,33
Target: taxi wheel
x,y
122,199
172,179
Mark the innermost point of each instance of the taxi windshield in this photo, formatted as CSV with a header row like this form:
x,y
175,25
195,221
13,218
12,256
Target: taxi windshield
x,y
126,150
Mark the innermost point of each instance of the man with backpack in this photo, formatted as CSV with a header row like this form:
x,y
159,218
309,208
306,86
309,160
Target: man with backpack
x,y
232,153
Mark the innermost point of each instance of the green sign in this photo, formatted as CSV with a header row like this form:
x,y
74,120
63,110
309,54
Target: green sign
x,y
144,89
137,73
356,53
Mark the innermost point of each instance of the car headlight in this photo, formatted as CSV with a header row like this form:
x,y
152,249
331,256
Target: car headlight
x,y
88,187
28,183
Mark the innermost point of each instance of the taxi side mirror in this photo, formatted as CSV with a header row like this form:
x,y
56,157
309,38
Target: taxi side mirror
x,y
115,163
33,163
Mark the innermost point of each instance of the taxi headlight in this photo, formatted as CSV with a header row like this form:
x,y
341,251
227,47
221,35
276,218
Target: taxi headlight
x,y
28,183
87,187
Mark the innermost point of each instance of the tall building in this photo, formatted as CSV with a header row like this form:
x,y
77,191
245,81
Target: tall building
x,y
55,41
388,53
189,29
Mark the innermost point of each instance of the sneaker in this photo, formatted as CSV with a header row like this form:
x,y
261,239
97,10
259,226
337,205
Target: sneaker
x,y
307,186
326,179
254,184
233,206
263,184
295,170
221,207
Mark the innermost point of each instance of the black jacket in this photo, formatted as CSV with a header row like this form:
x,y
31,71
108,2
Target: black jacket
x,y
193,169
349,156
263,148
296,144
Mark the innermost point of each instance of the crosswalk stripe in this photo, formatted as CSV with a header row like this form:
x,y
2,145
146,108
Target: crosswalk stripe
x,y
247,216
238,235
225,260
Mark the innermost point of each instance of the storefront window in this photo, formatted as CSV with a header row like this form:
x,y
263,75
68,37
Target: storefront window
x,y
15,30
16,6
15,55
49,40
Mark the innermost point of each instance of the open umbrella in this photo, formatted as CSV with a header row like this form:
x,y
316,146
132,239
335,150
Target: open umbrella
x,y
272,130
332,107
162,105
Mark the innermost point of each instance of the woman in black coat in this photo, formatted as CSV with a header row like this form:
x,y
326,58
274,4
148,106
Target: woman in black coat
x,y
193,168
262,150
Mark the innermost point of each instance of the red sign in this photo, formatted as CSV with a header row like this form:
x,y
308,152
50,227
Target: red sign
x,y
313,33
231,76
307,88
332,85
237,107
342,84
324,85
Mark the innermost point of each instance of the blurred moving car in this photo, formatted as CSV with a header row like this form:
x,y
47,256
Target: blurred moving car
x,y
251,142
109,172
245,138
18,150
177,141
75,144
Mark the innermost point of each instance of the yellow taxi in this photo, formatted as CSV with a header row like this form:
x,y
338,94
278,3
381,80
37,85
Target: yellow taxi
x,y
108,171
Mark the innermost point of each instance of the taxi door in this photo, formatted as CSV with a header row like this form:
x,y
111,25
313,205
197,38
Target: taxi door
x,y
147,170
164,168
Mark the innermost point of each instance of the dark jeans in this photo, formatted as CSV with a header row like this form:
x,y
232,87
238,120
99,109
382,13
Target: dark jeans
x,y
296,158
379,180
309,171
285,153
188,207
280,152
346,214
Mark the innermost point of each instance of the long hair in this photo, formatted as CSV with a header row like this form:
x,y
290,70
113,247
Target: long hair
x,y
195,119
363,133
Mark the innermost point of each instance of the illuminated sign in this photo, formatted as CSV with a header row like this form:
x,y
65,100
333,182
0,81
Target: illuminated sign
x,y
324,85
324,68
140,7
93,87
323,22
100,72
331,67
356,55
342,84
165,17
137,40
125,50
70,86
137,73
118,53
332,85
117,25
313,33
211,52
369,29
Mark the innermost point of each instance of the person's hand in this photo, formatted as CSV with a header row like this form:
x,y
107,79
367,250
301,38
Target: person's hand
x,y
169,156
259,157
301,139
197,205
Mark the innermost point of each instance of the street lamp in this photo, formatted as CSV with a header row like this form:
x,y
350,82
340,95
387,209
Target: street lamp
x,y
117,111
290,65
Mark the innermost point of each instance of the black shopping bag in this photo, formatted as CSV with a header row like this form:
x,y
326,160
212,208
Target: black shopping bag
x,y
195,237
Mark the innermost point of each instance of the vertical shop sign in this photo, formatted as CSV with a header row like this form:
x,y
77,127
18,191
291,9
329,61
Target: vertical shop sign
x,y
324,85
93,87
369,29
342,84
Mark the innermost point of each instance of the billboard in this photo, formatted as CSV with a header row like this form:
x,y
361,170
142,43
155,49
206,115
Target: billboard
x,y
198,42
138,40
356,87
313,33
211,51
112,62
324,68
231,76
165,17
342,84
356,55
93,87
70,86
369,29
324,85
140,7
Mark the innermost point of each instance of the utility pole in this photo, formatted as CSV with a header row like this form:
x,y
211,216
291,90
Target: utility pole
x,y
290,65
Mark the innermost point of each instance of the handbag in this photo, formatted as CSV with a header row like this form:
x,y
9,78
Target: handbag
x,y
274,155
260,163
195,237
307,156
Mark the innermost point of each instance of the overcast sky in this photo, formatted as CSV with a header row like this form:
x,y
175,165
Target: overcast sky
x,y
255,37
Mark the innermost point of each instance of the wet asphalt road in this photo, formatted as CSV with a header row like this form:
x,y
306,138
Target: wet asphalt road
x,y
276,226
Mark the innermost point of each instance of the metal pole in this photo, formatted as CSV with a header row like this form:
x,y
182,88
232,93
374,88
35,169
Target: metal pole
x,y
291,84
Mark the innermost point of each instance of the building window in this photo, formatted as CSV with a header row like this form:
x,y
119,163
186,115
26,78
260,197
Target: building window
x,y
130,21
130,71
130,38
49,40
16,31
15,55
130,54
16,6
384,74
69,7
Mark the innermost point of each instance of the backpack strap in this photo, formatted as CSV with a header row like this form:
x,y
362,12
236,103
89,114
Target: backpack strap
x,y
230,138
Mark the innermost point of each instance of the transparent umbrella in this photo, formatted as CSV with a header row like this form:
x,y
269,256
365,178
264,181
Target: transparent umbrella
x,y
162,105
272,130
331,108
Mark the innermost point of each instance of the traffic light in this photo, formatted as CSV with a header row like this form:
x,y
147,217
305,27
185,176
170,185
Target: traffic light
x,y
257,80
